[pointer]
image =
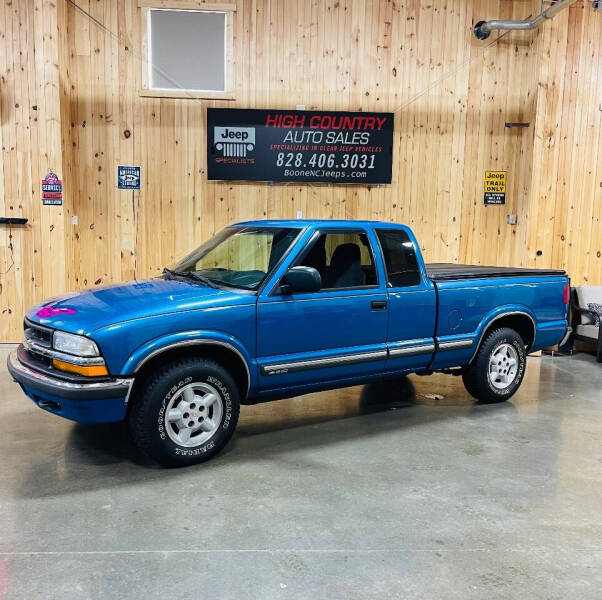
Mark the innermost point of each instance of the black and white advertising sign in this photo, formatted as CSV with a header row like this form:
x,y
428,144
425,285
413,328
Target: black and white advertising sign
x,y
299,145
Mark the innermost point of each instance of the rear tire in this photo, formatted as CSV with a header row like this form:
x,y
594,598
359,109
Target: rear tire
x,y
498,369
185,413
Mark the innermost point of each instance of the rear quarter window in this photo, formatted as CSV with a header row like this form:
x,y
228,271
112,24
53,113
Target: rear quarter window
x,y
399,255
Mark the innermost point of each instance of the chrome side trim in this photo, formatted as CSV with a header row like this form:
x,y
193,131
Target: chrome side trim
x,y
565,337
409,350
70,358
199,342
331,361
506,314
127,396
19,367
455,344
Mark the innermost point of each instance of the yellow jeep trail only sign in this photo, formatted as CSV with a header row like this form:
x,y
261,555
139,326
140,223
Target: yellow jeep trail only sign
x,y
495,187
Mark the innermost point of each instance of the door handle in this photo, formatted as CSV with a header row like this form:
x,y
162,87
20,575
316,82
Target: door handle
x,y
379,305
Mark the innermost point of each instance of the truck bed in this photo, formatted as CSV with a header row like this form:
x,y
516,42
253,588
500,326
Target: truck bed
x,y
453,272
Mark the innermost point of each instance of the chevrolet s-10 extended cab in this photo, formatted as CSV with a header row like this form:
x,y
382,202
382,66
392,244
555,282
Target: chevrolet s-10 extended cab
x,y
271,309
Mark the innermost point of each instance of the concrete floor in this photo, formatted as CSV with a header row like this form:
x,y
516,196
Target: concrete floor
x,y
399,490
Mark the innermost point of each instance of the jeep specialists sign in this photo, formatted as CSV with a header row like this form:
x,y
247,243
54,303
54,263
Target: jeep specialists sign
x,y
299,145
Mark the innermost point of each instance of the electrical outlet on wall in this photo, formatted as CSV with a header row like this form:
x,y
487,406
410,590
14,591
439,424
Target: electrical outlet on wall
x,y
74,220
299,214
511,219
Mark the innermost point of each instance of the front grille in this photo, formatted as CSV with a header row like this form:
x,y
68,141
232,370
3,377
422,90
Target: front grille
x,y
37,335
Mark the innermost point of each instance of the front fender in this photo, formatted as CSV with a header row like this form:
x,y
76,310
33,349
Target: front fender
x,y
189,338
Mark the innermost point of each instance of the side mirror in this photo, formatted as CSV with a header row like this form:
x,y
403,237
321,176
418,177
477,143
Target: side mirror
x,y
302,279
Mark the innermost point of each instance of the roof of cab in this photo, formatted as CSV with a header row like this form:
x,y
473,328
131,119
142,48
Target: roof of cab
x,y
316,223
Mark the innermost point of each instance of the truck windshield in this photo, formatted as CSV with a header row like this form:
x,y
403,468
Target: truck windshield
x,y
239,257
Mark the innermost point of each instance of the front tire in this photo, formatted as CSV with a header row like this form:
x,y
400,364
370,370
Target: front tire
x,y
185,413
498,368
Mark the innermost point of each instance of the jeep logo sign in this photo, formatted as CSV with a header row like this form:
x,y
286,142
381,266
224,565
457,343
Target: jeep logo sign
x,y
234,134
234,141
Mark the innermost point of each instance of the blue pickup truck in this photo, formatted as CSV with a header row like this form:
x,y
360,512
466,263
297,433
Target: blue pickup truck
x,y
272,309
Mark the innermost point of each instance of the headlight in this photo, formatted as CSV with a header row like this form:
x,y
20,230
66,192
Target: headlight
x,y
74,344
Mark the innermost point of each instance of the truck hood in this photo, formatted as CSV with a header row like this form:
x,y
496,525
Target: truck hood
x,y
88,310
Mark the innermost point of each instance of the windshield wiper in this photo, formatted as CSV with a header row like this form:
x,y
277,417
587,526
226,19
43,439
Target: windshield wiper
x,y
191,275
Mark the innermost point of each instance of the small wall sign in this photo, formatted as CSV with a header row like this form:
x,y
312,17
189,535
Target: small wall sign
x,y
52,190
495,187
128,178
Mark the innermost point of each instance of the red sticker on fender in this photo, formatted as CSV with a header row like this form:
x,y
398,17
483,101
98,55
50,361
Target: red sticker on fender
x,y
51,311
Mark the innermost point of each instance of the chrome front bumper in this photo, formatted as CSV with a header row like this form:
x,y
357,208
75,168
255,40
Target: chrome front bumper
x,y
29,378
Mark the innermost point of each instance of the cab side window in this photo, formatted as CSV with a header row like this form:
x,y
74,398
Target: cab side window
x,y
400,257
343,259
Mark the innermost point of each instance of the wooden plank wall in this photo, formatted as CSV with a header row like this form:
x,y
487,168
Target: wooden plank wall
x,y
32,258
450,92
565,199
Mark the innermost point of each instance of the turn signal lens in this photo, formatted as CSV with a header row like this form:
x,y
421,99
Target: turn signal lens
x,y
88,371
567,293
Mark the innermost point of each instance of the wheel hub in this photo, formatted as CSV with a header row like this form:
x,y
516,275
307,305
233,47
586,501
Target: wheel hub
x,y
194,414
503,366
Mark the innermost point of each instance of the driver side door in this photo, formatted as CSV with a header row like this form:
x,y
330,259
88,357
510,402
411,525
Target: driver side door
x,y
331,335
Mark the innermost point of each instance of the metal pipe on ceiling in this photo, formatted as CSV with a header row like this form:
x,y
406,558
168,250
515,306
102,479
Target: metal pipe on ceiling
x,y
483,29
